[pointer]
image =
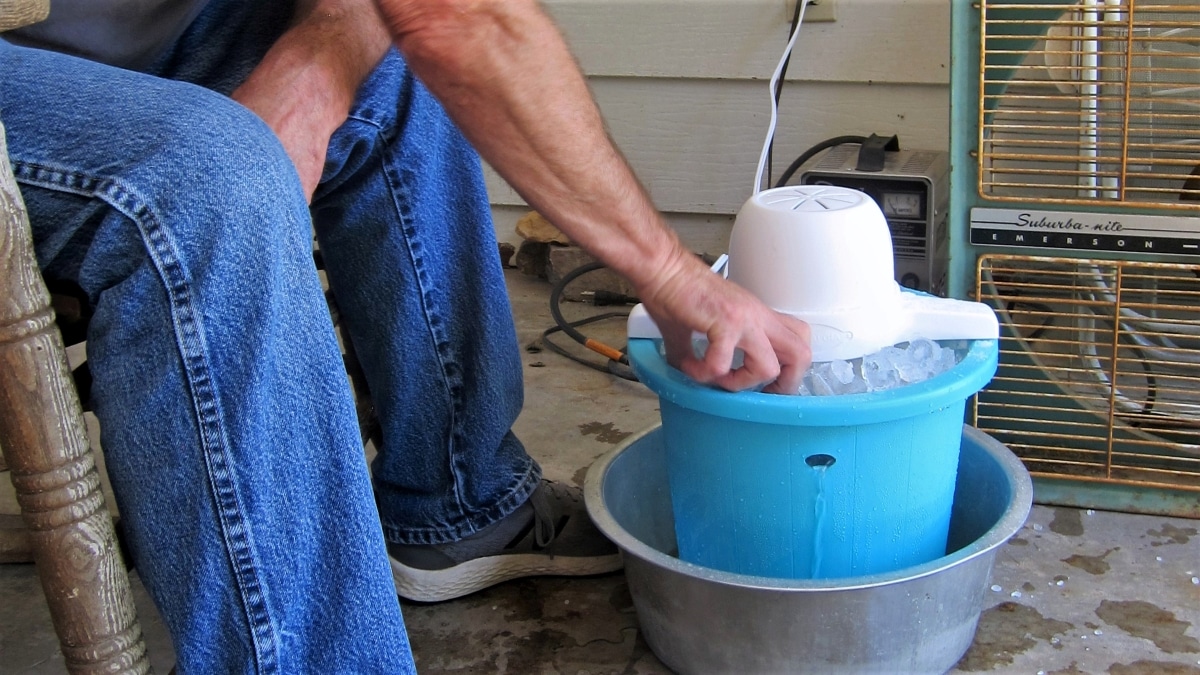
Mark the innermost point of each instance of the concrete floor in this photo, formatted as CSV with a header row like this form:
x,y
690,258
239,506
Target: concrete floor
x,y
1076,591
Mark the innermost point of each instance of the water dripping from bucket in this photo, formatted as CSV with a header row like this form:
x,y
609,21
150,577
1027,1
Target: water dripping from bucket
x,y
819,464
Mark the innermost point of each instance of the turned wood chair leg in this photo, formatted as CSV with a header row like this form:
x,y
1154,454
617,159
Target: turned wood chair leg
x,y
14,537
45,445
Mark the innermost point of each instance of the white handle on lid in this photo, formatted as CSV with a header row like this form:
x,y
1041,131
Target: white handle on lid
x,y
935,318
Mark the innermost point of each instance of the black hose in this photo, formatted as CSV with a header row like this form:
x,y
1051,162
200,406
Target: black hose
x,y
618,362
808,154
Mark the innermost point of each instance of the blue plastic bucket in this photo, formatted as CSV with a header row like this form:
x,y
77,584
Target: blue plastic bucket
x,y
812,487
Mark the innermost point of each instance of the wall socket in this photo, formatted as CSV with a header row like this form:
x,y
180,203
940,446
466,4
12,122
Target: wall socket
x,y
819,10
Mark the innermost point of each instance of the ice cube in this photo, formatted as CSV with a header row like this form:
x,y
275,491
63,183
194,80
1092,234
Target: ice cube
x,y
819,385
879,371
843,371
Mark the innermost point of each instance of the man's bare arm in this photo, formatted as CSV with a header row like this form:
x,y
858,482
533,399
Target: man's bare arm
x,y
505,75
306,83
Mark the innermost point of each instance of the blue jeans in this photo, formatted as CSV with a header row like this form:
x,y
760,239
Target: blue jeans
x,y
227,423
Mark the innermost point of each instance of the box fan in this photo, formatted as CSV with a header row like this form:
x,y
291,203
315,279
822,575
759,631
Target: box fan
x,y
1075,213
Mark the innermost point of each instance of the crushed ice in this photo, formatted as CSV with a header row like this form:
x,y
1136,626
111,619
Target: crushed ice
x,y
888,368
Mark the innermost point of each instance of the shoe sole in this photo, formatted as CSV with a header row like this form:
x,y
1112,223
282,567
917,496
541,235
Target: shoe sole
x,y
421,585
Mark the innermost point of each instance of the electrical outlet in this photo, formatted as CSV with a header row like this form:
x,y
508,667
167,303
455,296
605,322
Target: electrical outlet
x,y
819,10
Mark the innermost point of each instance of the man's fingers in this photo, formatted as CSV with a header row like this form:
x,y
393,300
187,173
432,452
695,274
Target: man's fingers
x,y
759,365
717,360
788,382
794,350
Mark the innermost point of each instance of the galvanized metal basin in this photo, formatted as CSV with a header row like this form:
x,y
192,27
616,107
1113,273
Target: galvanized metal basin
x,y
920,619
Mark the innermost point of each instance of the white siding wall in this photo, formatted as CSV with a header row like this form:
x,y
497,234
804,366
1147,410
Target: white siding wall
x,y
683,87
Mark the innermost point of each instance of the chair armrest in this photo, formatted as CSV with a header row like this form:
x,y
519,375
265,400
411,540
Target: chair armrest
x,y
17,13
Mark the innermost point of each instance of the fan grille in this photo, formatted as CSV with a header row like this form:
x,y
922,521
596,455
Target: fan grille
x,y
1099,376
1091,102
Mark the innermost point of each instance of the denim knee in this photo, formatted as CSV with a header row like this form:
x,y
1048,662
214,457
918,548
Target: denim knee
x,y
215,161
195,171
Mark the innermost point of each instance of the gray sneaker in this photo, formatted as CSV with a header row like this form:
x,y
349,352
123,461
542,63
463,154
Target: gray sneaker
x,y
549,535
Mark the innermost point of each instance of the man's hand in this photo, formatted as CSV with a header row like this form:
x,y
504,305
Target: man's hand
x,y
692,298
304,86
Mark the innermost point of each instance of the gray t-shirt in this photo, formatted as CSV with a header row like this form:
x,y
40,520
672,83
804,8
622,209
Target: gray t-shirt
x,y
125,33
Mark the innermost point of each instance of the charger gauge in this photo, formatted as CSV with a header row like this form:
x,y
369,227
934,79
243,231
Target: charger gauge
x,y
901,204
912,190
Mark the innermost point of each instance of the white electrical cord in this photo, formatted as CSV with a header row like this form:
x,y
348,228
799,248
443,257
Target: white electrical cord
x,y
787,51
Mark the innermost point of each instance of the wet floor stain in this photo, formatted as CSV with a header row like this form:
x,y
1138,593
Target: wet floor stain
x,y
1067,522
1006,631
1153,668
605,433
1092,564
1072,669
1172,534
1017,541
579,476
1145,620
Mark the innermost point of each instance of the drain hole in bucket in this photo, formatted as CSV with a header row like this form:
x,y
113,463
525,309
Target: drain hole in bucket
x,y
822,461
